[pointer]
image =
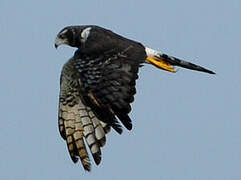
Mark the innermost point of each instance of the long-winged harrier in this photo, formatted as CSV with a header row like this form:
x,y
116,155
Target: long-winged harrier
x,y
98,84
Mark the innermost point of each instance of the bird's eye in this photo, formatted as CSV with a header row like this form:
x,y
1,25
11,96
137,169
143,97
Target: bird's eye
x,y
61,36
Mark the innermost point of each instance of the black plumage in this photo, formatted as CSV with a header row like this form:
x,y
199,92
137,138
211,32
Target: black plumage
x,y
107,65
98,85
110,78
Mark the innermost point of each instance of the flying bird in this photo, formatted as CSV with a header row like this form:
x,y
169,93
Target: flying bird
x,y
97,86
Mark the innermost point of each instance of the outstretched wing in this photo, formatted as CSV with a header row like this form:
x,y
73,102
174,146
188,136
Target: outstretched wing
x,y
77,122
109,84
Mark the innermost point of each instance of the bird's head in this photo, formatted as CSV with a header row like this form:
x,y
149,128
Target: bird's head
x,y
71,36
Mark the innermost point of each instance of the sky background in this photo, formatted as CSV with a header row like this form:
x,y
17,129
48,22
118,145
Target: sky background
x,y
187,126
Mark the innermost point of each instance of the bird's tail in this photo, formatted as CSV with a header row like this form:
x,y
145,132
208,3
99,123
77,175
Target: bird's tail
x,y
167,63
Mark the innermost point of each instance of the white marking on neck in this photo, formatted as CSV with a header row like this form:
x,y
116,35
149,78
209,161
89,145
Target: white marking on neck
x,y
85,34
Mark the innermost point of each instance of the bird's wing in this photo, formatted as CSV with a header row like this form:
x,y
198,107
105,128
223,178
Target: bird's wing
x,y
109,82
77,122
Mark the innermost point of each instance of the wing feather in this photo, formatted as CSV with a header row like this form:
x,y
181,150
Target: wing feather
x,y
77,122
109,82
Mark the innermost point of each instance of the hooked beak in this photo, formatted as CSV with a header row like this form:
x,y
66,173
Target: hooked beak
x,y
59,41
56,46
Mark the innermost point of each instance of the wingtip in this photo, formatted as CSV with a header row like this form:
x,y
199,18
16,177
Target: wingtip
x,y
74,159
117,127
129,127
87,167
126,120
97,157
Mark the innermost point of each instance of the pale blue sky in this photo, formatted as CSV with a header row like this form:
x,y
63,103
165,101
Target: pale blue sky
x,y
187,126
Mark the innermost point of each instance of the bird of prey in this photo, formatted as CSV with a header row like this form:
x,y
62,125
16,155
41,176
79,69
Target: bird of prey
x,y
97,86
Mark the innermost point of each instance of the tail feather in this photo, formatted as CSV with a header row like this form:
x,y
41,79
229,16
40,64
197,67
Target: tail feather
x,y
178,62
172,61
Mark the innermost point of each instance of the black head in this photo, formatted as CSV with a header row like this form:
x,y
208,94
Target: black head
x,y
70,35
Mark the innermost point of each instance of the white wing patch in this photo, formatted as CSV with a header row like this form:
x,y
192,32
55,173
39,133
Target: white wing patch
x,y
85,34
